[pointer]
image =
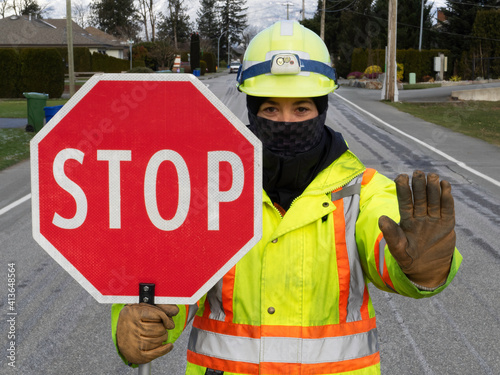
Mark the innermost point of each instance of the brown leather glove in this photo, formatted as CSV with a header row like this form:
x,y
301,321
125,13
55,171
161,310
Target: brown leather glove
x,y
424,241
141,330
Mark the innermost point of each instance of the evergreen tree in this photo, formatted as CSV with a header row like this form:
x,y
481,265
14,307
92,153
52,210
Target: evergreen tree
x,y
487,43
408,31
115,17
456,31
175,25
31,7
209,22
233,21
194,56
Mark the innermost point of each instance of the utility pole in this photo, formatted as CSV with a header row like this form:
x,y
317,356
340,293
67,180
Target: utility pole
x,y
421,26
287,10
69,37
322,31
391,73
303,10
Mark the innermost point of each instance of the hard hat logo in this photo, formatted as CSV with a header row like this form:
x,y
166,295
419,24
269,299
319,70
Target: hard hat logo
x,y
285,64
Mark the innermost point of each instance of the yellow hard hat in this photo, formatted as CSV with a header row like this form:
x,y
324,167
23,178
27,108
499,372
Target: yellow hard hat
x,y
287,60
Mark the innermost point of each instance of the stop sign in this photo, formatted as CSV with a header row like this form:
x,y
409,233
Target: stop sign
x,y
146,178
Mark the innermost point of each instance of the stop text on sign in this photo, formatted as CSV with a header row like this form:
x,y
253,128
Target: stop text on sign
x,y
114,158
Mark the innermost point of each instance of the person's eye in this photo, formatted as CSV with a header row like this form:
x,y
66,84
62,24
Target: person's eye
x,y
303,110
270,109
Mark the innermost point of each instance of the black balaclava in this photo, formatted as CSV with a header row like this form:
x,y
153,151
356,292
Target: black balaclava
x,y
294,152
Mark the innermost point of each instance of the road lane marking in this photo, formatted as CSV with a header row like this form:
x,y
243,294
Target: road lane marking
x,y
439,152
14,204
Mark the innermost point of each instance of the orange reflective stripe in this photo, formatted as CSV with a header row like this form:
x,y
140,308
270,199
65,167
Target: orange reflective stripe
x,y
244,330
227,294
368,175
219,364
313,332
320,368
343,268
365,313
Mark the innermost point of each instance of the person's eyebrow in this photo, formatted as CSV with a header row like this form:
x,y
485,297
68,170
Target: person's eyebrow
x,y
305,101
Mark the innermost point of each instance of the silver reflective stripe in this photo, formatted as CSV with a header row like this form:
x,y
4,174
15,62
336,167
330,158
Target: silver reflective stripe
x,y
233,348
283,349
192,312
381,256
357,283
286,28
347,191
214,297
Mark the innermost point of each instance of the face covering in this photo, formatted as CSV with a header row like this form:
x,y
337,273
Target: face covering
x,y
288,138
294,152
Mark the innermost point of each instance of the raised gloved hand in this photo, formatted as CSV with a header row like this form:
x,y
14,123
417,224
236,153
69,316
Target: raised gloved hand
x,y
141,330
424,241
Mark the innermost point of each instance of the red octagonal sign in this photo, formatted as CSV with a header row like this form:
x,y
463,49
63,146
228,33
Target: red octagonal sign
x,y
146,178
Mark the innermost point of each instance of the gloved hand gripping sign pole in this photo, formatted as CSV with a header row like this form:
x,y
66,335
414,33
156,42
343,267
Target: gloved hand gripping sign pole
x,y
138,179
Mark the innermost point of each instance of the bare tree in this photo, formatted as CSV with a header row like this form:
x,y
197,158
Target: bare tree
x,y
81,13
4,6
148,16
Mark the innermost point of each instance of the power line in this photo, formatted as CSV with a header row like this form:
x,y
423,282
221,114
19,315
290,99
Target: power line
x,y
477,5
427,29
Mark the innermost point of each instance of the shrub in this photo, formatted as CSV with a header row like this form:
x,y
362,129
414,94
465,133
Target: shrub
x,y
371,75
354,75
140,69
373,69
455,78
400,72
203,67
10,68
209,58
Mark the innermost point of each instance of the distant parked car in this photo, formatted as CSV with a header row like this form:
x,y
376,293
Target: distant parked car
x,y
233,68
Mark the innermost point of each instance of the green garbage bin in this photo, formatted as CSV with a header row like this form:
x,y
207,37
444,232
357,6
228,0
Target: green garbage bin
x,y
36,114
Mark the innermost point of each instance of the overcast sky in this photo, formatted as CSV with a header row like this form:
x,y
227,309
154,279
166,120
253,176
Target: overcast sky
x,y
261,13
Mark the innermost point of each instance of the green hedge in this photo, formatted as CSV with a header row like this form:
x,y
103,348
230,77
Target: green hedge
x,y
419,62
42,70
108,64
10,69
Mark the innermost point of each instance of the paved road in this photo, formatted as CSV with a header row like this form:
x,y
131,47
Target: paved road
x,y
60,329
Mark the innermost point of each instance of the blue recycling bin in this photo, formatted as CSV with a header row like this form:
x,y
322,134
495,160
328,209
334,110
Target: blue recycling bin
x,y
196,72
51,111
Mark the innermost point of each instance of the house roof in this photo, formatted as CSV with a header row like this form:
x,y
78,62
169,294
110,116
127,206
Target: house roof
x,y
26,31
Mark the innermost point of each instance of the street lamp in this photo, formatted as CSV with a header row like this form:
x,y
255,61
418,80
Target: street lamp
x,y
218,48
130,42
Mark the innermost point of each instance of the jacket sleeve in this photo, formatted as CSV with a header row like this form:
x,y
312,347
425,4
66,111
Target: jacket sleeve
x,y
181,320
378,197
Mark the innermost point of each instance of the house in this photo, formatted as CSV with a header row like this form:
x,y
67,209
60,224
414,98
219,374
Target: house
x,y
30,31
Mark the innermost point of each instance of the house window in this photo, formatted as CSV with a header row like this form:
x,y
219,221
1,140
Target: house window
x,y
103,51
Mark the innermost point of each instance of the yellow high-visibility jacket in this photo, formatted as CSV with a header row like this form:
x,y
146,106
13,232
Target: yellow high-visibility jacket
x,y
298,302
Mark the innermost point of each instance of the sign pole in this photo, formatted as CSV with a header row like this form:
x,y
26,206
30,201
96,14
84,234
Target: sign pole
x,y
146,295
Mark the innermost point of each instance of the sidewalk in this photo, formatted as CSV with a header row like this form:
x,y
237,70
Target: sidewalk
x,y
13,122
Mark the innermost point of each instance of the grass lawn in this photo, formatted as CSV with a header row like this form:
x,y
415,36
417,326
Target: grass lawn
x,y
14,146
18,108
475,119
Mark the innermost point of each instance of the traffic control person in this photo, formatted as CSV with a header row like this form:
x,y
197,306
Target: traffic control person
x,y
298,302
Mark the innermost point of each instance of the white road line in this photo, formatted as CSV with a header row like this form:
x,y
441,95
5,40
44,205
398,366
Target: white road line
x,y
443,154
14,204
